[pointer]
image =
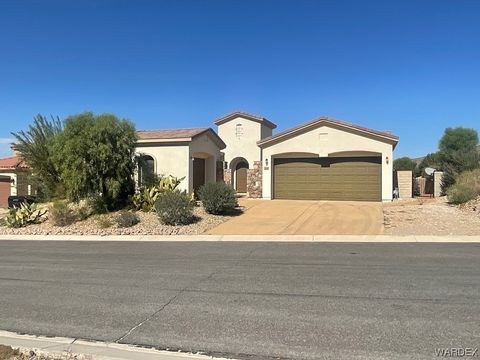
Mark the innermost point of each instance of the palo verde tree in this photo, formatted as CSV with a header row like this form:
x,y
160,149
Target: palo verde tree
x,y
35,147
95,157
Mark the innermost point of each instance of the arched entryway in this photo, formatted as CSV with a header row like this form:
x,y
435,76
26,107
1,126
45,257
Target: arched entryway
x,y
239,167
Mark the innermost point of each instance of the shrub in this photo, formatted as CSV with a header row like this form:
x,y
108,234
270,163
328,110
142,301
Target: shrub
x,y
97,205
104,222
174,208
61,214
466,187
24,215
217,198
83,212
416,187
127,219
404,163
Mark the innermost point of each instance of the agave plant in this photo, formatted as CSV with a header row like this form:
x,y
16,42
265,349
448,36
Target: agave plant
x,y
146,197
24,215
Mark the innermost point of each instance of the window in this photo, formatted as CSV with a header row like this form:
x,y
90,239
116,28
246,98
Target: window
x,y
239,131
146,170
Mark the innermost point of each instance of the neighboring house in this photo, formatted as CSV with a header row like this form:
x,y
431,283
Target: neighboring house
x,y
324,159
14,177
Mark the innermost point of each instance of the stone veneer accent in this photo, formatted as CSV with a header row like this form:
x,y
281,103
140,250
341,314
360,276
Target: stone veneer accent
x,y
254,181
227,176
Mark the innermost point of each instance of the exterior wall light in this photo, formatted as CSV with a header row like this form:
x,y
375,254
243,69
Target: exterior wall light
x,y
387,160
266,162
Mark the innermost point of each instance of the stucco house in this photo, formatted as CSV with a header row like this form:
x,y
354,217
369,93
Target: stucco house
x,y
324,159
14,179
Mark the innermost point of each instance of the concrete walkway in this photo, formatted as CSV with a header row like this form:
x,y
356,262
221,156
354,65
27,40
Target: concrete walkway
x,y
297,217
249,238
60,346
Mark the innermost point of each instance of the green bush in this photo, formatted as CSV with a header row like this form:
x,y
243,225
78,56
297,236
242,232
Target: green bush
x,y
24,215
466,187
217,198
97,205
127,219
61,214
174,208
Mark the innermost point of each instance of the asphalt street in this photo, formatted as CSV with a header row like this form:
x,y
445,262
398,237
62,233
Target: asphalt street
x,y
248,300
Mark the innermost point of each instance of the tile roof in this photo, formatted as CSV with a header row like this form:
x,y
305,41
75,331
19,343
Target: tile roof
x,y
170,133
12,162
245,115
327,120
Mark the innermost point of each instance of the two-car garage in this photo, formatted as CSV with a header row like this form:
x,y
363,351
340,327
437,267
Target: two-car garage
x,y
327,159
336,178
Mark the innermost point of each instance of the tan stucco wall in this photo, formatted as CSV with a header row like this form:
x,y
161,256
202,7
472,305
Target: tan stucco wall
x,y
203,147
245,146
404,183
169,159
177,159
329,141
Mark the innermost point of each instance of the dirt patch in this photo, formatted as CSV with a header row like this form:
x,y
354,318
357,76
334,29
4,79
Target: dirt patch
x,y
430,217
148,225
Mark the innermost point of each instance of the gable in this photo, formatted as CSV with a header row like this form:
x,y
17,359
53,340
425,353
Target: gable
x,y
341,126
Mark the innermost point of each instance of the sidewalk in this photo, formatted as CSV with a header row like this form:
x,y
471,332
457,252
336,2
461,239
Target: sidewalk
x,y
245,238
59,346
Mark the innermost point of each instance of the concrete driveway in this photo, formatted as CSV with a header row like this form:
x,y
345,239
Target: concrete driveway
x,y
296,217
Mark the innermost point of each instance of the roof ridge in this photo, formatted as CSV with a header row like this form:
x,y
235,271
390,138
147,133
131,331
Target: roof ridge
x,y
331,120
170,129
254,117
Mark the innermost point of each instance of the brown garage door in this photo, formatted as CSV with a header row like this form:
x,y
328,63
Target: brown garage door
x,y
352,178
4,190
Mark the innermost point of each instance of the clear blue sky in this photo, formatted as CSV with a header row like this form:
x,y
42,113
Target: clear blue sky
x,y
412,67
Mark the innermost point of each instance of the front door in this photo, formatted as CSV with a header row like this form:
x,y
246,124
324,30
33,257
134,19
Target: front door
x,y
241,180
198,174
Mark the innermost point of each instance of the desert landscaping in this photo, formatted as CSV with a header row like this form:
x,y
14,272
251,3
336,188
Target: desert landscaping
x,y
431,216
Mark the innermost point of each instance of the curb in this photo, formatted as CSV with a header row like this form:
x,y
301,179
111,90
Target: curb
x,y
59,346
250,238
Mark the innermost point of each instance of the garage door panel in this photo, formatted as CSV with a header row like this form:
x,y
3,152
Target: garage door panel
x,y
328,179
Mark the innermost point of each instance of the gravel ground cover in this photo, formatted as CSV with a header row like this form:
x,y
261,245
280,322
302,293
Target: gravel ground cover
x,y
148,225
8,353
425,216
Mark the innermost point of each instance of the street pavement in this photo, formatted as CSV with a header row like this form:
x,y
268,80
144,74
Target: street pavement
x,y
248,300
